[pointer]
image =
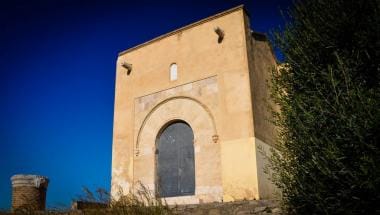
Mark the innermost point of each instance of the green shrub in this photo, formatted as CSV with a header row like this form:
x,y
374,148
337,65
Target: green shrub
x,y
328,94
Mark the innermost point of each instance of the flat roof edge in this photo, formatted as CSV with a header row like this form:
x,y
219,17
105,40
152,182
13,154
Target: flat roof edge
x,y
239,7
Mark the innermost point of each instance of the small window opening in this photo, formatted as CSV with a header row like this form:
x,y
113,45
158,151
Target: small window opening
x,y
173,72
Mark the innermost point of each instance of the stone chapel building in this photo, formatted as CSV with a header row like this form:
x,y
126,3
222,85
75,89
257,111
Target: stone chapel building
x,y
190,117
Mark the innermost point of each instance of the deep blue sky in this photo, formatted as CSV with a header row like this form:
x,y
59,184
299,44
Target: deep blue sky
x,y
57,74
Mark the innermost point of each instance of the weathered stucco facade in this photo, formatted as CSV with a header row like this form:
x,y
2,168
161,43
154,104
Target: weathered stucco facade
x,y
219,92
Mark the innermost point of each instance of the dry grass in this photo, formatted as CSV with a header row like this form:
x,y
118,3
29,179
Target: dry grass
x,y
141,201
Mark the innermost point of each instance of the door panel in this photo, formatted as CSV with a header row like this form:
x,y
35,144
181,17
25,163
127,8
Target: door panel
x,y
175,161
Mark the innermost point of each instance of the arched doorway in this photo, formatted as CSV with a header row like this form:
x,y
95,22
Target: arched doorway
x,y
175,173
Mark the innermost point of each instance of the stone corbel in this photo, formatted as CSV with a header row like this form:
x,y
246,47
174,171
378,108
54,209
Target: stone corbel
x,y
137,152
215,138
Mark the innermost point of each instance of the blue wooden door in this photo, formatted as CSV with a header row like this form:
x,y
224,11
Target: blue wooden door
x,y
175,161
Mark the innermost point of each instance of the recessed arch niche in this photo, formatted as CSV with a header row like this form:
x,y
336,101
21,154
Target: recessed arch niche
x,y
206,151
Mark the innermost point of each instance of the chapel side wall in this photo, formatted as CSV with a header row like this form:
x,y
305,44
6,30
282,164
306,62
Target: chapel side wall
x,y
261,61
198,56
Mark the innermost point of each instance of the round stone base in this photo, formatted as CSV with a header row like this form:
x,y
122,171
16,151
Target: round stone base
x,y
29,191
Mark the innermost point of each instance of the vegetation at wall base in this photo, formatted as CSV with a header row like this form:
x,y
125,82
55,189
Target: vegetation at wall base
x,y
326,99
140,201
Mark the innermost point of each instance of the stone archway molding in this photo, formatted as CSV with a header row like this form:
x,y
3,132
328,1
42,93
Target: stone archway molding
x,y
160,104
